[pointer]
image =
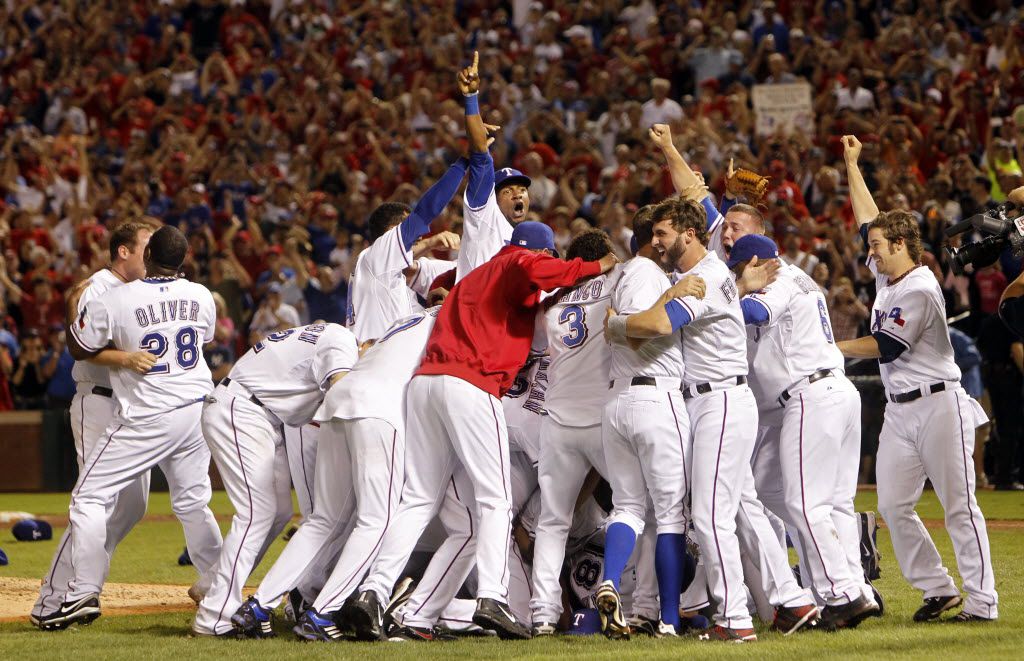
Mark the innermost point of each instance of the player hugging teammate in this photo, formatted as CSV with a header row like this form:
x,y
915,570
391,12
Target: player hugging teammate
x,y
700,380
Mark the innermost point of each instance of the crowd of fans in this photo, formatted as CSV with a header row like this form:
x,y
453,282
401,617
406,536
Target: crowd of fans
x,y
269,129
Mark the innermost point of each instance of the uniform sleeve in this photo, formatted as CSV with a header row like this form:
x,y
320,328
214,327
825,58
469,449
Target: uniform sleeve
x,y
714,217
92,329
336,352
639,289
209,317
433,203
906,320
429,271
387,255
775,298
481,180
546,273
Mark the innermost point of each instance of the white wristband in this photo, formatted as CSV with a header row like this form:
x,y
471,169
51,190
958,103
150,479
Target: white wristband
x,y
616,330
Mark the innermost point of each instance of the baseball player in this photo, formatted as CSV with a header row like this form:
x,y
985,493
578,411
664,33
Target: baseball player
x,y
158,416
480,340
928,430
795,363
378,291
570,445
280,381
494,201
93,408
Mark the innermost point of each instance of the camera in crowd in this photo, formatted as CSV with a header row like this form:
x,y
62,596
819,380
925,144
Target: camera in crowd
x,y
1000,233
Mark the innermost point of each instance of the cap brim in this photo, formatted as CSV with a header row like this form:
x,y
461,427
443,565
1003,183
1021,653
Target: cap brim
x,y
522,180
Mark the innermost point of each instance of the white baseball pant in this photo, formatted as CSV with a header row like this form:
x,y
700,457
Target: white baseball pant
x,y
173,441
567,455
644,433
454,422
373,452
301,444
644,602
90,416
819,453
724,424
455,559
357,481
933,438
247,445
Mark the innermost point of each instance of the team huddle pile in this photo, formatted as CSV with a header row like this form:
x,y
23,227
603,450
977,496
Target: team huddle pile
x,y
700,379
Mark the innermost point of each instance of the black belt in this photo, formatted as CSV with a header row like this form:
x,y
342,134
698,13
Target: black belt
x,y
252,398
904,397
817,376
103,391
638,381
705,388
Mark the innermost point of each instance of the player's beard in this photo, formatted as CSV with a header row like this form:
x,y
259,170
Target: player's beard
x,y
674,254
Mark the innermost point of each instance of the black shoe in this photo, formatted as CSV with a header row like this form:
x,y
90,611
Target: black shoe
x,y
609,606
541,629
494,615
295,605
935,606
847,616
403,591
401,634
83,612
968,617
644,626
314,626
253,620
365,615
870,558
878,600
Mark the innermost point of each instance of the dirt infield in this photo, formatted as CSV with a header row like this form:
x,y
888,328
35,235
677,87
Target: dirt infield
x,y
17,595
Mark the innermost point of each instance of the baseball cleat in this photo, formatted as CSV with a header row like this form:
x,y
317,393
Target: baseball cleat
x,y
541,629
935,606
366,616
253,620
82,611
645,626
870,557
848,616
791,619
609,605
195,594
402,634
729,635
295,605
401,594
494,615
969,617
314,626
665,631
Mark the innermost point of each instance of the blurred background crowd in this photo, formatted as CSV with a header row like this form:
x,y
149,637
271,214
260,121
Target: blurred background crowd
x,y
269,129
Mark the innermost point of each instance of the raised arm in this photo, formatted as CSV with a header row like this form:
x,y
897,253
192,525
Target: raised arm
x,y
864,208
481,165
433,202
683,177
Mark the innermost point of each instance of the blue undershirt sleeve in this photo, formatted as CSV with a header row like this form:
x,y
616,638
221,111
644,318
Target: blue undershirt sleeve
x,y
677,314
754,312
433,203
481,179
889,347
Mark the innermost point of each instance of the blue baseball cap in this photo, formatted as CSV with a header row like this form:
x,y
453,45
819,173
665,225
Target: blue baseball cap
x,y
532,235
32,530
508,177
750,246
585,622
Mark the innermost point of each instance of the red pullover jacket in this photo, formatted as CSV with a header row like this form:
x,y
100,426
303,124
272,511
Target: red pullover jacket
x,y
485,328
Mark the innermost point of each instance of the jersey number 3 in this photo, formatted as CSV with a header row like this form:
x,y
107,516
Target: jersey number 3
x,y
576,317
186,349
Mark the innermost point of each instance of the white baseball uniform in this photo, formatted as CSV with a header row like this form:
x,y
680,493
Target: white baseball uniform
x,y
570,443
92,409
928,433
485,231
644,425
377,289
723,419
300,445
280,381
795,362
157,421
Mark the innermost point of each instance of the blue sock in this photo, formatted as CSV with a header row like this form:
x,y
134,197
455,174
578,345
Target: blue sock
x,y
618,546
669,554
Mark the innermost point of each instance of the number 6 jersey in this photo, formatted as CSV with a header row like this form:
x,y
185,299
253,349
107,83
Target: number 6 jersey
x,y
169,317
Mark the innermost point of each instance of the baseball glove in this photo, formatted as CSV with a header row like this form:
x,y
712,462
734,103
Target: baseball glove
x,y
748,184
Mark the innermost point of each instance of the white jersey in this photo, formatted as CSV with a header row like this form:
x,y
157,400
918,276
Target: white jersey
x,y
715,341
169,317
913,312
430,269
289,371
377,290
99,283
375,388
580,357
640,285
485,231
797,339
524,407
716,222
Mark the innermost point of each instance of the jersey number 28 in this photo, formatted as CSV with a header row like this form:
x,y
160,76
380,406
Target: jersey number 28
x,y
186,349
